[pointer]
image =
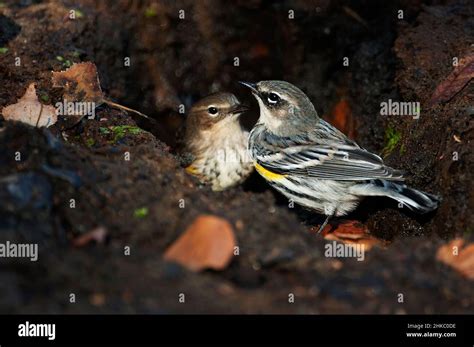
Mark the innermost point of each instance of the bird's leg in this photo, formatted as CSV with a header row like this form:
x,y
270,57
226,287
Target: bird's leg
x,y
328,216
321,228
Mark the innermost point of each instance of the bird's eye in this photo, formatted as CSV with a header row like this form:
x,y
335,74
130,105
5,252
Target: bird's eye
x,y
212,110
273,98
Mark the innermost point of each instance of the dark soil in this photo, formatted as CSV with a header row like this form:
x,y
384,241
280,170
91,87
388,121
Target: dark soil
x,y
177,61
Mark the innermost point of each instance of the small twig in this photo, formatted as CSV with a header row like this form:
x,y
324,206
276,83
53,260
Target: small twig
x,y
350,12
113,104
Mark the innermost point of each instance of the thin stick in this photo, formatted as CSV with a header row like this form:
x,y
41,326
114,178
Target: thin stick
x,y
113,104
350,12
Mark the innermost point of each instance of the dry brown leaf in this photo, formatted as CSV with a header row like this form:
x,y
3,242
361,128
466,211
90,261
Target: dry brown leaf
x,y
458,257
355,233
258,51
29,110
80,83
208,243
341,117
97,299
98,235
456,81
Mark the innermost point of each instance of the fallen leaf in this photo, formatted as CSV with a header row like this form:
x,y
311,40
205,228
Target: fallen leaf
x,y
98,235
458,257
208,243
341,118
353,233
80,83
259,50
97,299
29,110
457,80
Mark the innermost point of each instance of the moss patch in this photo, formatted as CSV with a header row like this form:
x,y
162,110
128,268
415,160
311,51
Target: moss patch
x,y
392,139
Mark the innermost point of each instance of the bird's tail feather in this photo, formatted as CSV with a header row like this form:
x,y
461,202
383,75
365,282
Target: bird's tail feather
x,y
415,200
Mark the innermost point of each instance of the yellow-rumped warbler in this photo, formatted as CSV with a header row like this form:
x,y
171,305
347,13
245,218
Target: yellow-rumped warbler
x,y
217,142
314,164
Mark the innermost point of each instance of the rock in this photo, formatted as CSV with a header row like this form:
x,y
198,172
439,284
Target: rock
x,y
25,191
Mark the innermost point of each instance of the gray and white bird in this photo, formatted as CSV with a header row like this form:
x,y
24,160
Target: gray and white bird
x,y
217,142
314,164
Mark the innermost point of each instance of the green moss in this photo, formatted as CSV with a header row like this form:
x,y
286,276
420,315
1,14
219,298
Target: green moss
x,y
150,12
120,131
104,130
402,149
3,50
44,97
392,139
140,212
90,142
66,62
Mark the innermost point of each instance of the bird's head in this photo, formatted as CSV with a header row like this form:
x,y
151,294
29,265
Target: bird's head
x,y
215,108
214,117
284,109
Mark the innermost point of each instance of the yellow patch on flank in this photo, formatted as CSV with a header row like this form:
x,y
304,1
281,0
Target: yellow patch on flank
x,y
192,170
267,174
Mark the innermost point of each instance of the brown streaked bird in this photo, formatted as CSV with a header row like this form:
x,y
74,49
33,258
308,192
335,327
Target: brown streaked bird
x,y
217,141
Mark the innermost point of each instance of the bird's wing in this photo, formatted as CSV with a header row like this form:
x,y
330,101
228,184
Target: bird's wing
x,y
324,158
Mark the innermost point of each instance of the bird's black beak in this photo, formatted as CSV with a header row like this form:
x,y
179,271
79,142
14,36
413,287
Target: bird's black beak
x,y
239,108
252,86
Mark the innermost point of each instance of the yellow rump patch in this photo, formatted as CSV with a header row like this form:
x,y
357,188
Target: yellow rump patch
x,y
267,174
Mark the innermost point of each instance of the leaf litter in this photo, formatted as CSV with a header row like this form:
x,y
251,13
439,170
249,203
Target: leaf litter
x,y
208,243
80,83
455,82
29,110
353,233
458,255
